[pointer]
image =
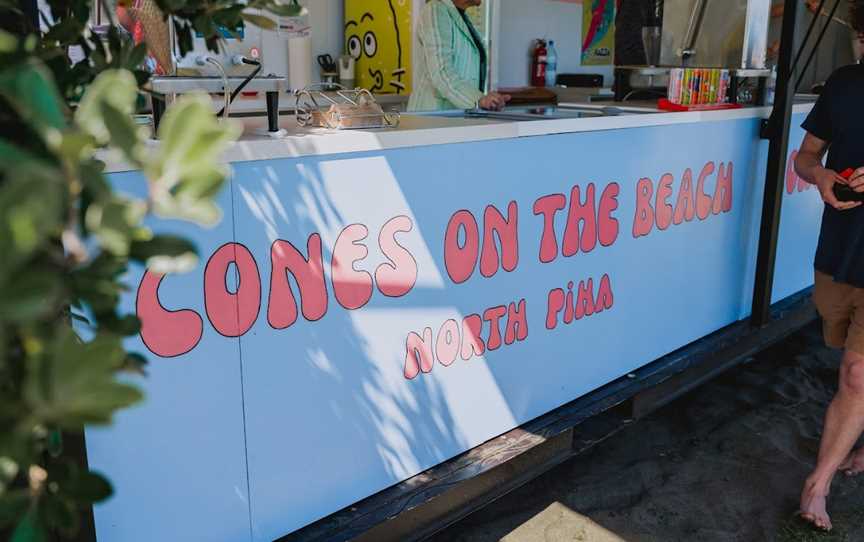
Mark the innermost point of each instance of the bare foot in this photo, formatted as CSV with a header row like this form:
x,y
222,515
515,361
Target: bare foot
x,y
854,463
813,508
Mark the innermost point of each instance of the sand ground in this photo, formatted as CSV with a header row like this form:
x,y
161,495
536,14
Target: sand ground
x,y
724,463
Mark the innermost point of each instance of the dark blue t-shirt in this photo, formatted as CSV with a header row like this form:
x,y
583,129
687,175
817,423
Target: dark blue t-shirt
x,y
838,118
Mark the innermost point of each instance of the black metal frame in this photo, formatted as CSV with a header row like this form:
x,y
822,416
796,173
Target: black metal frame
x,y
776,129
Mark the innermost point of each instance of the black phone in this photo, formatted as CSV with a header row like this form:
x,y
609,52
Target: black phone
x,y
843,193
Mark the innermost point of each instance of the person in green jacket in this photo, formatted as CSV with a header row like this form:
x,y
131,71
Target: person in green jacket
x,y
451,61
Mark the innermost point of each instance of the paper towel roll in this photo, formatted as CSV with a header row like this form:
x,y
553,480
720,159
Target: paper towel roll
x,y
299,62
346,71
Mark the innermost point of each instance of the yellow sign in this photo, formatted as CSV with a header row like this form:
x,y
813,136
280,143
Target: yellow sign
x,y
378,36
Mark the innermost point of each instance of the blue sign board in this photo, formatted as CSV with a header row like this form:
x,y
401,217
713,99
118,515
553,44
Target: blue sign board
x,y
359,318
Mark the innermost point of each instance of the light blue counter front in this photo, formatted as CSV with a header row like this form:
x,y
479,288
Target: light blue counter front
x,y
279,405
799,226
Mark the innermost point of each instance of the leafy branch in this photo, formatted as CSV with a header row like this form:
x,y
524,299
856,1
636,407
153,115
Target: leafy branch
x,y
68,235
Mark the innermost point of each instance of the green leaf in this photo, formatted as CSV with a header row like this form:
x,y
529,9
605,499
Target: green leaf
x,y
12,155
29,529
8,42
83,486
183,32
31,211
97,284
60,513
187,172
161,245
200,211
89,487
165,254
114,87
124,134
30,89
135,363
30,295
95,184
13,505
260,21
54,443
192,139
115,223
8,472
124,326
76,146
175,264
75,383
292,9
65,32
136,56
229,18
115,44
204,24
170,6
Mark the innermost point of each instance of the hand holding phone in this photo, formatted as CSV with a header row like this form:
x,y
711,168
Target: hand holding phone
x,y
843,192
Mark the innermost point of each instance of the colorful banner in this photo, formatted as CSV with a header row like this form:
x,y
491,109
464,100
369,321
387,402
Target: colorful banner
x,y
598,32
378,34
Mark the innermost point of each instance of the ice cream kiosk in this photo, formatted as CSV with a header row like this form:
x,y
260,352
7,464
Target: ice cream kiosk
x,y
378,304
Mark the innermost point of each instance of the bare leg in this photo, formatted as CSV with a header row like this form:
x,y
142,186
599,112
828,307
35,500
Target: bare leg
x,y
844,423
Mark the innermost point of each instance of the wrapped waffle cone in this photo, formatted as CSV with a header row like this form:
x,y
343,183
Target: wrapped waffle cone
x,y
156,34
368,115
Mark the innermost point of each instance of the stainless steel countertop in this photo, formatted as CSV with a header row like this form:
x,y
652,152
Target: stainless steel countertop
x,y
180,85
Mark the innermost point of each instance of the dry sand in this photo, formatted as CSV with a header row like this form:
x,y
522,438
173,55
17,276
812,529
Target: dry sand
x,y
724,463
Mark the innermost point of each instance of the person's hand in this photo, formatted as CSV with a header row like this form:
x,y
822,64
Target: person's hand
x,y
493,101
856,181
825,179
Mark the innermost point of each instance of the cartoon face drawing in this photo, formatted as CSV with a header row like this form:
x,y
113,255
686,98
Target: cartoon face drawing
x,y
377,35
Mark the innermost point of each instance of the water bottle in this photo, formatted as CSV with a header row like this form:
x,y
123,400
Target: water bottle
x,y
771,87
551,64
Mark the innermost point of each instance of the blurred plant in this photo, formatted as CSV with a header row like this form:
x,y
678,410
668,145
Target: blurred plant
x,y
67,236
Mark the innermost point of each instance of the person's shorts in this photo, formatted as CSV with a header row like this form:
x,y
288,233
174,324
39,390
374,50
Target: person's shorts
x,y
842,309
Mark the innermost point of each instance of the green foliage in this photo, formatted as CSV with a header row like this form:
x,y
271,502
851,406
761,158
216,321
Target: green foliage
x,y
208,16
67,238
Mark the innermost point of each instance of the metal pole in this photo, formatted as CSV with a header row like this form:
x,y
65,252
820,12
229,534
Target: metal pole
x,y
777,130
